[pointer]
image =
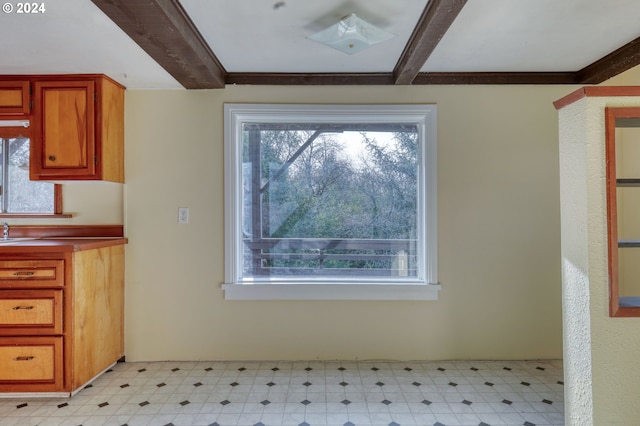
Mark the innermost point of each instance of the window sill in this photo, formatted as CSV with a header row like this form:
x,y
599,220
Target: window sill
x,y
269,291
36,215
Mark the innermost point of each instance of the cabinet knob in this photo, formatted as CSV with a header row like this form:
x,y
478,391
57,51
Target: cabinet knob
x,y
52,158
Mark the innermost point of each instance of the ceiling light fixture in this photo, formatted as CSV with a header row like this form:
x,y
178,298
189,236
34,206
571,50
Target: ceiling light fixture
x,y
351,35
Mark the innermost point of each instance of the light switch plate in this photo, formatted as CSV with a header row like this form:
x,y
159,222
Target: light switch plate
x,y
183,214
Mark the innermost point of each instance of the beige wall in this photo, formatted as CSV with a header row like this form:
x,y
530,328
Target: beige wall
x,y
499,242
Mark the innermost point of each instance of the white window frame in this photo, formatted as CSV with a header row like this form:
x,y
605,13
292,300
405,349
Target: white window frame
x,y
423,287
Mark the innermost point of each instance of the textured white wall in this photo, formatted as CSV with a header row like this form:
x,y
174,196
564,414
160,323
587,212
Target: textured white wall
x,y
602,369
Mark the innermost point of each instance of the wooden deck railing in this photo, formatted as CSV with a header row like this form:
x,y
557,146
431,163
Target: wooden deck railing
x,y
322,257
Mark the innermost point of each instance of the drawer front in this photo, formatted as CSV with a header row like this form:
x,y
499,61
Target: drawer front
x,y
31,360
31,312
31,273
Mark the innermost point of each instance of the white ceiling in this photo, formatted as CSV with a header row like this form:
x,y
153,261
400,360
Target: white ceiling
x,y
74,37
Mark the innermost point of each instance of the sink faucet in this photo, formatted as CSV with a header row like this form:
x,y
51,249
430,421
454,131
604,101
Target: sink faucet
x,y
5,230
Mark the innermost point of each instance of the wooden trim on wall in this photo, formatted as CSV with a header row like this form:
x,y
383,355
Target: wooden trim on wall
x,y
595,91
611,114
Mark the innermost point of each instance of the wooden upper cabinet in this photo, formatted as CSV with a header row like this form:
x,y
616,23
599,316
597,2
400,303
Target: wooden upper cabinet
x,y
14,98
78,130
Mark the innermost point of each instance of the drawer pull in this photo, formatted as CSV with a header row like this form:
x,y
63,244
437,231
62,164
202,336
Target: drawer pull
x,y
23,273
22,308
23,358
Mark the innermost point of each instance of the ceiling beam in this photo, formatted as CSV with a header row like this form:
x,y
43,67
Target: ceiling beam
x,y
434,22
497,78
163,29
339,79
616,62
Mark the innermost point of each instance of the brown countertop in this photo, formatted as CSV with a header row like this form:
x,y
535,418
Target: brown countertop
x,y
58,244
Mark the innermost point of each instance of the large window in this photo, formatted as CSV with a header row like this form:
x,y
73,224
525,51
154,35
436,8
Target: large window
x,y
330,201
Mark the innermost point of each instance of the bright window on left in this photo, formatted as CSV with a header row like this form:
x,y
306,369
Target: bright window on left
x,y
18,194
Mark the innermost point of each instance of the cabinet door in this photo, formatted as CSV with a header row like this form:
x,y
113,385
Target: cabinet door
x,y
64,142
14,98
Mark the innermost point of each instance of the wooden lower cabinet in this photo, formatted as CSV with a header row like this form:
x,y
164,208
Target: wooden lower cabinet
x,y
61,318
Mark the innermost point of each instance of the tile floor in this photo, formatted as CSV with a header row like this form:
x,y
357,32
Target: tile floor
x,y
307,393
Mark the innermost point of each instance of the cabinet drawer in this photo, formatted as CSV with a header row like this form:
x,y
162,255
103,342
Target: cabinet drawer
x,y
31,273
31,359
31,312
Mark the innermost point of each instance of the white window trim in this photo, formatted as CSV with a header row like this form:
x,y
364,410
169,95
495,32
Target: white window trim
x,y
424,287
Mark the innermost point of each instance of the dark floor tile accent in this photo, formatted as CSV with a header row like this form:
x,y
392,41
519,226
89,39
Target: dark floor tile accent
x,y
416,384
442,369
507,368
307,384
546,401
242,369
142,370
208,369
103,404
64,404
483,424
540,368
225,402
473,369
214,424
341,369
197,384
275,369
308,369
380,384
143,403
529,424
488,383
394,424
453,384
234,384
22,405
506,401
169,424
560,382
185,402
126,385
89,386
175,369
271,384
265,402
426,402
525,383
375,369
349,424
408,369
346,402
386,402
465,402
438,424
304,424
259,424
161,385
305,402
